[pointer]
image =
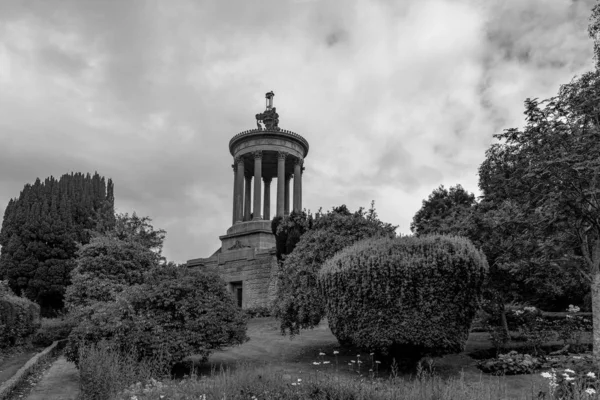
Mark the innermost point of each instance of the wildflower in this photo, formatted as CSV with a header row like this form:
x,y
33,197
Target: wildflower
x,y
569,371
336,352
294,383
591,374
590,391
358,355
573,308
371,354
352,361
546,375
370,370
321,354
530,309
377,362
577,358
568,378
316,363
518,312
349,363
360,362
299,380
325,362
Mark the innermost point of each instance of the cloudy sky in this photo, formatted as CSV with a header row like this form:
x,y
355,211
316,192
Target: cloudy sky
x,y
394,97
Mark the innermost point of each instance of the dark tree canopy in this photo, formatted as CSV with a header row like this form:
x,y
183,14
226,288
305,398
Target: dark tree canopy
x,y
41,231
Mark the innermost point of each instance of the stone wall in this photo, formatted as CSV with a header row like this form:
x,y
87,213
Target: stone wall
x,y
256,269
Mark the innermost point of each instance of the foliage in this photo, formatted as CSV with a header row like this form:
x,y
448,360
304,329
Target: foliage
x,y
174,313
19,317
409,294
298,303
444,212
511,363
104,371
105,267
139,230
289,230
52,329
41,229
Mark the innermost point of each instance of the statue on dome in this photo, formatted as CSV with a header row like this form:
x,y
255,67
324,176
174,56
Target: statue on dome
x,y
269,118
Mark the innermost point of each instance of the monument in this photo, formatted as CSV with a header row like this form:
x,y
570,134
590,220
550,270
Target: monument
x,y
246,259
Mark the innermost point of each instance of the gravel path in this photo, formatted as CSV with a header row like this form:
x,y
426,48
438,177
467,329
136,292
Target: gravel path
x,y
60,382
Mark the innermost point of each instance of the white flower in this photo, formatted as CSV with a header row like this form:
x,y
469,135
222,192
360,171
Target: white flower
x,y
336,352
573,308
590,391
569,371
321,354
546,375
360,362
591,374
530,309
299,380
568,378
577,358
294,383
377,362
316,363
325,362
352,361
371,354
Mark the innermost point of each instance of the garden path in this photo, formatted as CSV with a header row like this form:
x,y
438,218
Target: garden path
x,y
59,382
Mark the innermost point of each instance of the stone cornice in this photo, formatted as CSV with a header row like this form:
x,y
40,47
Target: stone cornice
x,y
269,133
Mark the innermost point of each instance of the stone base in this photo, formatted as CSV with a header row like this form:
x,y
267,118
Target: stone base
x,y
249,234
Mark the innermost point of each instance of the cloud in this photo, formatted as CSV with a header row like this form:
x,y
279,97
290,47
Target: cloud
x,y
395,98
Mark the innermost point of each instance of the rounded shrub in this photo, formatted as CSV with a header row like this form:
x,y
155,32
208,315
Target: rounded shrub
x,y
174,314
406,295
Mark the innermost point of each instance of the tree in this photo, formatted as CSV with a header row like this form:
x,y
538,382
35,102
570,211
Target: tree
x,y
41,229
105,267
557,174
298,303
444,212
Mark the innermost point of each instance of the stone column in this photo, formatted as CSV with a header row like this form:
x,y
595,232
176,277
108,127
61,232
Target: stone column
x,y
286,207
298,185
257,184
234,192
280,182
239,190
267,204
247,199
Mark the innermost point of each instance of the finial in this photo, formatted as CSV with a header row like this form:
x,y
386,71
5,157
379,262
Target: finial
x,y
269,97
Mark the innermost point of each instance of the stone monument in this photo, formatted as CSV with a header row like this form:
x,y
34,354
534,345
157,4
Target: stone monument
x,y
246,259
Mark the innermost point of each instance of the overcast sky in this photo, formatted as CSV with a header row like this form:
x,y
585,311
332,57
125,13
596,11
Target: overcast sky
x,y
394,97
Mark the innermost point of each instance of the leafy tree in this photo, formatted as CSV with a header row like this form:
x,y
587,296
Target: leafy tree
x,y
105,267
298,303
557,174
444,212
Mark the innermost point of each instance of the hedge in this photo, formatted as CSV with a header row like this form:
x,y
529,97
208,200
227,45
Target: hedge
x,y
409,295
19,318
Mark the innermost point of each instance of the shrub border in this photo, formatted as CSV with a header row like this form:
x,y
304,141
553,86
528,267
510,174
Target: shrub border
x,y
7,387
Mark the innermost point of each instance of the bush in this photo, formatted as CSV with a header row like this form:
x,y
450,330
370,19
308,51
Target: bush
x,y
417,295
52,329
298,303
511,363
19,317
175,313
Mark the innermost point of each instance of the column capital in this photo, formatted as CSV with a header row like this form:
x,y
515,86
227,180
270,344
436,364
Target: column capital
x,y
299,161
257,154
238,159
281,155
